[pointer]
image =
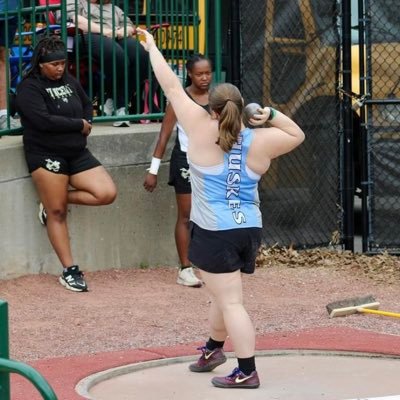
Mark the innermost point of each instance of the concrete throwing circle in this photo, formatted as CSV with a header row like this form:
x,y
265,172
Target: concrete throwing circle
x,y
284,375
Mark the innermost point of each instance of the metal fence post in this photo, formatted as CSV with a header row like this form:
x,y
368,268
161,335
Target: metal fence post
x,y
348,169
235,44
4,350
363,132
218,39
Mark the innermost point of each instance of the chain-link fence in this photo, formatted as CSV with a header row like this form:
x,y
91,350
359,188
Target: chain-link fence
x,y
289,61
381,25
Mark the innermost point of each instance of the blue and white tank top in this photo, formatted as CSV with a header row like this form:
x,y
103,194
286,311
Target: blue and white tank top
x,y
225,196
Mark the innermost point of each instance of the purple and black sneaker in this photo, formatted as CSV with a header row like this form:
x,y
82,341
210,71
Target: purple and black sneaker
x,y
237,379
209,360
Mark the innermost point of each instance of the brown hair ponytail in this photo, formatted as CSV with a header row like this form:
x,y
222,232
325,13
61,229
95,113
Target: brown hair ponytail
x,y
226,101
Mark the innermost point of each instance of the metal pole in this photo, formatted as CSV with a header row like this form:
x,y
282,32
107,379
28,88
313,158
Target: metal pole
x,y
348,173
235,59
218,41
28,372
4,352
363,131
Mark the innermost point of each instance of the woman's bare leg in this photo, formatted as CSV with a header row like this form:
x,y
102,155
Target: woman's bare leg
x,y
93,187
218,331
186,275
53,192
226,291
182,237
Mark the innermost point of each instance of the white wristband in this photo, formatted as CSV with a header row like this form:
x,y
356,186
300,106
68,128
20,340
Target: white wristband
x,y
155,165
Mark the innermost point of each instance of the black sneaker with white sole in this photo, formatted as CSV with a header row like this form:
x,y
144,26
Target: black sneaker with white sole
x,y
72,279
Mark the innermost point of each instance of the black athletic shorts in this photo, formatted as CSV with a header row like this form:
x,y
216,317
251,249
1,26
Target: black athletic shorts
x,y
224,251
62,165
179,175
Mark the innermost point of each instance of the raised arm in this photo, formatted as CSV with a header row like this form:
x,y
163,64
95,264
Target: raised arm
x,y
186,111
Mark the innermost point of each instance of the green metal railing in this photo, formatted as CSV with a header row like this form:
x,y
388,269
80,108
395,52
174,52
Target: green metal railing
x,y
183,28
8,366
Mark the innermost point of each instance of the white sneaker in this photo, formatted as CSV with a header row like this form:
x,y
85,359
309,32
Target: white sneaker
x,y
42,214
13,123
186,277
120,112
108,108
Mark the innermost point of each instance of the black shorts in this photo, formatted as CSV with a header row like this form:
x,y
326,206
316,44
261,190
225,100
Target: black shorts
x,y
224,251
62,165
179,175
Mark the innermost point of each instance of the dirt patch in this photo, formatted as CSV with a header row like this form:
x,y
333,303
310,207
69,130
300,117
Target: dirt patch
x,y
135,308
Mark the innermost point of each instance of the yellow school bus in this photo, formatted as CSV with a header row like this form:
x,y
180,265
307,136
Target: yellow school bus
x,y
296,49
385,75
311,56
187,21
183,23
299,46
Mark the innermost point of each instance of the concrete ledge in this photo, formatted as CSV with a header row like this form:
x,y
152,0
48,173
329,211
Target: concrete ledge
x,y
136,231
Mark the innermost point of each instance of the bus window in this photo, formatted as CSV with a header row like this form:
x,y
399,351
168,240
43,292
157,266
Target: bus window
x,y
287,36
300,52
287,20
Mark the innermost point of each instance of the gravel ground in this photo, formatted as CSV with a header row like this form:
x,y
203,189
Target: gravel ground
x,y
135,308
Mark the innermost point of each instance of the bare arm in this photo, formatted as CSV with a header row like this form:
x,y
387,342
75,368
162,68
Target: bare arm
x,y
188,113
167,127
290,135
283,136
83,24
120,32
124,20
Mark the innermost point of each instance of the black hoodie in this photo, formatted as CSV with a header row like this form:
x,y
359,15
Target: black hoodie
x,y
51,114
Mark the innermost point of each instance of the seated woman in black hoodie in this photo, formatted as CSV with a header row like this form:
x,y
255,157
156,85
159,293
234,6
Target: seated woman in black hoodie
x,y
56,115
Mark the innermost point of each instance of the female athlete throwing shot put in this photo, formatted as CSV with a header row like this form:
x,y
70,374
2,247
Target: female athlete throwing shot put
x,y
226,162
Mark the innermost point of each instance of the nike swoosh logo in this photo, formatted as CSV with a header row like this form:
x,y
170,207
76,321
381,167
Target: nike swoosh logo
x,y
241,380
207,356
